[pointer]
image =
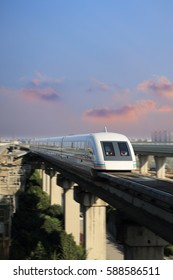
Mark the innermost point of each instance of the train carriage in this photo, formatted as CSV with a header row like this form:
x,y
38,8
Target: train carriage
x,y
100,151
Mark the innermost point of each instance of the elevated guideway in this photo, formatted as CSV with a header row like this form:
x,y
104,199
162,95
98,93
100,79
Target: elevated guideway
x,y
160,152
155,149
142,199
145,205
150,197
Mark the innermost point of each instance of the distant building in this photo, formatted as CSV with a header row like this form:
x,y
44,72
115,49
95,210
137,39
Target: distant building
x,y
162,136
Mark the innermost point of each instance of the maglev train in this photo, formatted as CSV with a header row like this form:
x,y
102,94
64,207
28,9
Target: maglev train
x,y
104,151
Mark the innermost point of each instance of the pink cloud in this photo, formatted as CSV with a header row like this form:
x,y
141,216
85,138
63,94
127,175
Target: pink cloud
x,y
42,88
128,113
166,109
45,94
162,86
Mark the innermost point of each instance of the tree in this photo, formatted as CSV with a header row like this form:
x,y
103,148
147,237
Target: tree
x,y
71,251
35,179
37,231
39,252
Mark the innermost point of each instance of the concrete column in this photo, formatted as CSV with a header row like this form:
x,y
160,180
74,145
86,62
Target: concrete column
x,y
95,230
94,210
52,174
71,211
43,180
55,191
48,184
142,244
143,164
160,166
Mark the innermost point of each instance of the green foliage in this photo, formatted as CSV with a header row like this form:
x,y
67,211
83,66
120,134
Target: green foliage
x,y
34,199
70,251
51,224
39,252
35,178
37,230
56,211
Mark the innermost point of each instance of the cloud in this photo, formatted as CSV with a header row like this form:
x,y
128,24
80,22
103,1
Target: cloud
x,y
128,113
162,86
166,109
98,86
43,88
41,79
45,94
102,86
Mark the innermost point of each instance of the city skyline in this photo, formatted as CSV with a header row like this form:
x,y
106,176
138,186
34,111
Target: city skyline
x,y
72,67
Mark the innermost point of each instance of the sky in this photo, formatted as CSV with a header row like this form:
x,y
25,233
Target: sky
x,y
72,67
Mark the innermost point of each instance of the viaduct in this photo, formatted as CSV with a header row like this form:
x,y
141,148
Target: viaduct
x,y
144,204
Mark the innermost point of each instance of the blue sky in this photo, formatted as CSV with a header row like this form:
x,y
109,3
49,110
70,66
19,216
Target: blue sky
x,y
78,66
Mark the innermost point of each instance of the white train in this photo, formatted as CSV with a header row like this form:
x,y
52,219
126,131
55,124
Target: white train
x,y
99,151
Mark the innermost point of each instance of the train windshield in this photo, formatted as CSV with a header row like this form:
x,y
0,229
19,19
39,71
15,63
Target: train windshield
x,y
123,149
116,150
108,149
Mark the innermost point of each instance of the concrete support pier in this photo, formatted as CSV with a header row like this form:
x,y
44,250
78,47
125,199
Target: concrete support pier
x,y
142,244
71,211
143,163
95,229
94,220
49,185
56,192
45,182
160,166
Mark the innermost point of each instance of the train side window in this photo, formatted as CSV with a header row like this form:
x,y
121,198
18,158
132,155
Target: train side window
x,y
58,143
90,149
108,149
82,145
123,148
75,145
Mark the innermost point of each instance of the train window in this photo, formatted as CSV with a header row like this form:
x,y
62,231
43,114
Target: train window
x,y
58,143
123,148
82,146
75,145
89,149
109,149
